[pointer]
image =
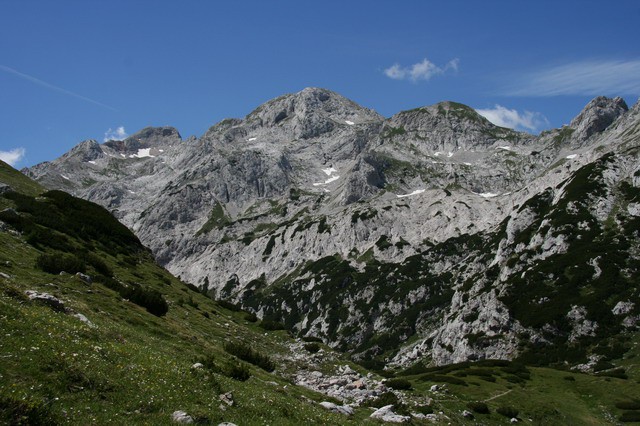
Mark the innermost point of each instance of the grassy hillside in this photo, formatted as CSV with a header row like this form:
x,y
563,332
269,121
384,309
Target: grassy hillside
x,y
122,349
126,365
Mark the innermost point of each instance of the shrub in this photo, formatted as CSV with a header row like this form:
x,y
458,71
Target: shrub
x,y
509,412
228,305
312,347
16,411
478,407
630,416
58,262
424,409
239,372
569,378
149,299
398,384
311,339
618,373
251,317
628,405
247,353
270,325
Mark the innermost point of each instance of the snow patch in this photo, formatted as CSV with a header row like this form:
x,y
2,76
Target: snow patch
x,y
449,154
91,162
438,154
130,191
467,164
350,123
328,181
329,171
64,177
506,148
416,192
572,156
143,152
251,139
487,194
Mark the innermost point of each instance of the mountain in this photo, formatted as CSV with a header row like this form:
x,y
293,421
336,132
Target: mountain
x,y
429,237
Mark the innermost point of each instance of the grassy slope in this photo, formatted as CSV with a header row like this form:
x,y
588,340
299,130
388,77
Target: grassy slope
x,y
132,367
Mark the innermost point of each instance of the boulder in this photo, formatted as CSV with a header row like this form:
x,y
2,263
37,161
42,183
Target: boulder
x,y
386,414
181,417
342,409
46,299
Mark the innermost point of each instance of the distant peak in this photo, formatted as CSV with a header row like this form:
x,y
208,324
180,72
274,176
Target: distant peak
x,y
597,115
148,137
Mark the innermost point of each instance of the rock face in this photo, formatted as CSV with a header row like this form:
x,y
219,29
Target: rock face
x,y
366,231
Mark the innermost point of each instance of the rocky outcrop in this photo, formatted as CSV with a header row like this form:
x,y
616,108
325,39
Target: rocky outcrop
x,y
599,114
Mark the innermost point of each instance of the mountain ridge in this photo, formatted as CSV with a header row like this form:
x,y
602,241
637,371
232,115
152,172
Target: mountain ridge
x,y
258,206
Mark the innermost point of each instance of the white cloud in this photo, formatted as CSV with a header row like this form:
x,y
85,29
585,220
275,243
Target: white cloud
x,y
504,117
115,135
12,157
587,78
420,71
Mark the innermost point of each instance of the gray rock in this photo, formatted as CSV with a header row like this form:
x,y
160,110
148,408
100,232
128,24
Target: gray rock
x,y
46,299
84,278
197,366
623,308
341,409
84,319
467,414
227,398
181,417
386,414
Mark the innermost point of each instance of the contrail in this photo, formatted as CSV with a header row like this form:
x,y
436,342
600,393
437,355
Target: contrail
x,y
52,87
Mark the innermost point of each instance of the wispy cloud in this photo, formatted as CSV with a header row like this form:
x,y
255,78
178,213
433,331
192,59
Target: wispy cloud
x,y
52,87
588,78
115,135
12,157
504,117
420,71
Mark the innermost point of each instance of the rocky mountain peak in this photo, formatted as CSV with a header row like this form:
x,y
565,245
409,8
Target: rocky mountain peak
x,y
88,150
149,137
597,115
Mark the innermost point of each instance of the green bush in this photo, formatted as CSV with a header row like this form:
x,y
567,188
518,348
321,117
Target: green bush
x,y
228,305
628,405
398,384
509,412
251,317
424,409
311,339
238,372
149,299
14,411
247,353
630,416
312,347
270,325
618,373
478,407
58,262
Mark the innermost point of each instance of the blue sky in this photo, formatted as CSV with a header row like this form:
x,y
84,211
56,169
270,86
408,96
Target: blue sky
x,y
76,70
